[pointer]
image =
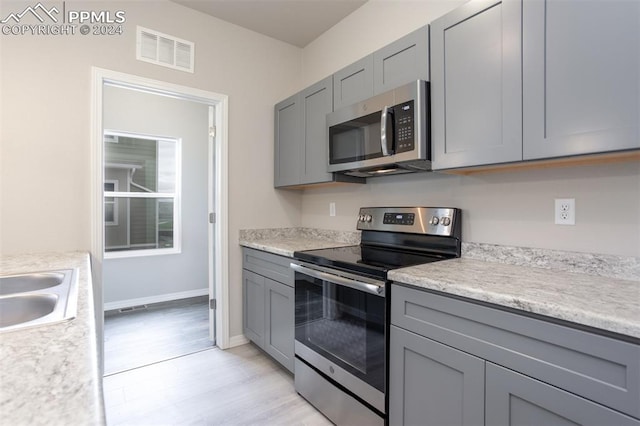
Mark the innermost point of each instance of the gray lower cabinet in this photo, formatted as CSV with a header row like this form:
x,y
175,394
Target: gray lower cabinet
x,y
532,371
515,399
268,304
253,306
433,384
581,77
279,322
476,85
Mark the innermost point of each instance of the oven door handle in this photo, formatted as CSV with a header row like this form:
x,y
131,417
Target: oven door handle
x,y
375,289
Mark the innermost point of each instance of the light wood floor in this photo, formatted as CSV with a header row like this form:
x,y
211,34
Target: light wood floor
x,y
160,332
239,386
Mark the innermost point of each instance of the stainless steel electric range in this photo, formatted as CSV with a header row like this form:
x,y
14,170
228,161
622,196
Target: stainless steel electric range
x,y
342,302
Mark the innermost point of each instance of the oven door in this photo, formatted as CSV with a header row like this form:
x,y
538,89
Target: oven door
x,y
340,329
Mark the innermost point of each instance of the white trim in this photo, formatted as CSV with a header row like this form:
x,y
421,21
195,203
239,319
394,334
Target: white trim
x,y
238,340
100,77
155,299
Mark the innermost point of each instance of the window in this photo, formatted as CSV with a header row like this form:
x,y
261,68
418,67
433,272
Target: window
x,y
110,204
141,195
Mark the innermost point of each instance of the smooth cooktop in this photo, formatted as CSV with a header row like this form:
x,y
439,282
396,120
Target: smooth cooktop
x,y
373,261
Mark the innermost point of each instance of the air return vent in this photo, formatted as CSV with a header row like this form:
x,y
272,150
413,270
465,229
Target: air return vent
x,y
165,50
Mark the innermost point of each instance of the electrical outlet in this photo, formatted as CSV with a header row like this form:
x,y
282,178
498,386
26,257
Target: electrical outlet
x,y
332,209
565,211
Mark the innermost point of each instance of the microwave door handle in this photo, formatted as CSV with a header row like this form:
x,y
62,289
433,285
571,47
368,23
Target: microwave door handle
x,y
386,131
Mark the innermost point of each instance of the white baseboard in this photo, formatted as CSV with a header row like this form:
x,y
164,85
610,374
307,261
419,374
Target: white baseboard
x,y
155,299
237,341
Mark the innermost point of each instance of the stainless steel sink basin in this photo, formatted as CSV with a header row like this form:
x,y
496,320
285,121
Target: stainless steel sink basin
x,y
24,308
30,282
40,298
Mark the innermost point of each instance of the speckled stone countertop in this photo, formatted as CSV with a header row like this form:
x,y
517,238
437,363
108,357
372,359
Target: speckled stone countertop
x,y
610,304
599,291
49,374
285,241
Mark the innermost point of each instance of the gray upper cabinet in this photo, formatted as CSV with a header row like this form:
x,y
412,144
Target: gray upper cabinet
x,y
402,61
353,83
316,102
287,142
398,63
476,85
581,77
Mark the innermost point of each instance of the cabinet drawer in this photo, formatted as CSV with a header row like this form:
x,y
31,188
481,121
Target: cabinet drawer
x,y
268,265
602,369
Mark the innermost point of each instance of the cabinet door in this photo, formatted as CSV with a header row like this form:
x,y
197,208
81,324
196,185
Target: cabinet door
x,y
581,76
279,322
402,61
476,86
317,102
514,399
253,307
433,384
287,142
353,83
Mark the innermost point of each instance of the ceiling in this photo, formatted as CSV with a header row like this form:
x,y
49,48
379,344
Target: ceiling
x,y
297,22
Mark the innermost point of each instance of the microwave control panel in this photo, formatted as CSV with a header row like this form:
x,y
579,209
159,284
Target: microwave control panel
x,y
404,126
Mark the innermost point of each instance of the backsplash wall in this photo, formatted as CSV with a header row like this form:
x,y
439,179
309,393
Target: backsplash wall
x,y
509,208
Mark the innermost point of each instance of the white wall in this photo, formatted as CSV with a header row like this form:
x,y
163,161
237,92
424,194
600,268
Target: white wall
x,y
45,113
513,208
151,277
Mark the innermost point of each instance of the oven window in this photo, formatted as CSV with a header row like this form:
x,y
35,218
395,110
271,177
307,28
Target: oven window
x,y
344,325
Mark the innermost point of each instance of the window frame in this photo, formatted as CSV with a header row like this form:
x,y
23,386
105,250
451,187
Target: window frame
x,y
176,197
115,202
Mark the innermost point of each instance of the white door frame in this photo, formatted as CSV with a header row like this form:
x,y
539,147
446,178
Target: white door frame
x,y
218,146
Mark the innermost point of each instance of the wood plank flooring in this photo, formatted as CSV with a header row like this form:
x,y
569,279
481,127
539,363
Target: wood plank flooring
x,y
160,332
239,386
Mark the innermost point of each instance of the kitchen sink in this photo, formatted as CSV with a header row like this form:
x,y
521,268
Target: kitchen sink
x,y
30,282
36,299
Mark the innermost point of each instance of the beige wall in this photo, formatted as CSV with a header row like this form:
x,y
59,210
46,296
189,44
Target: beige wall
x,y
45,113
504,208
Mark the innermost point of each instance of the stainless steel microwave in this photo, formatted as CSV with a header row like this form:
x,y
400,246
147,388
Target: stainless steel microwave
x,y
386,134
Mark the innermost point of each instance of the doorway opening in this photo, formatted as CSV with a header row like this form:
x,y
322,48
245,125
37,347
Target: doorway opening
x,y
153,202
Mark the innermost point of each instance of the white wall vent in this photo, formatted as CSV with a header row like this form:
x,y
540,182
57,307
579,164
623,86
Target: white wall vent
x,y
162,49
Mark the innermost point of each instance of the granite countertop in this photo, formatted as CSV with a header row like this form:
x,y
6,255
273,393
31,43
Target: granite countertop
x,y
606,303
600,291
286,241
49,374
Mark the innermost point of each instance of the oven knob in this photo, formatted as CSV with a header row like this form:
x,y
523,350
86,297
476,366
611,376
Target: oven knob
x,y
446,221
434,220
368,218
360,218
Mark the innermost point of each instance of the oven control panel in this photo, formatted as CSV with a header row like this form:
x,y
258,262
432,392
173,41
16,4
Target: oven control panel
x,y
398,218
419,220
